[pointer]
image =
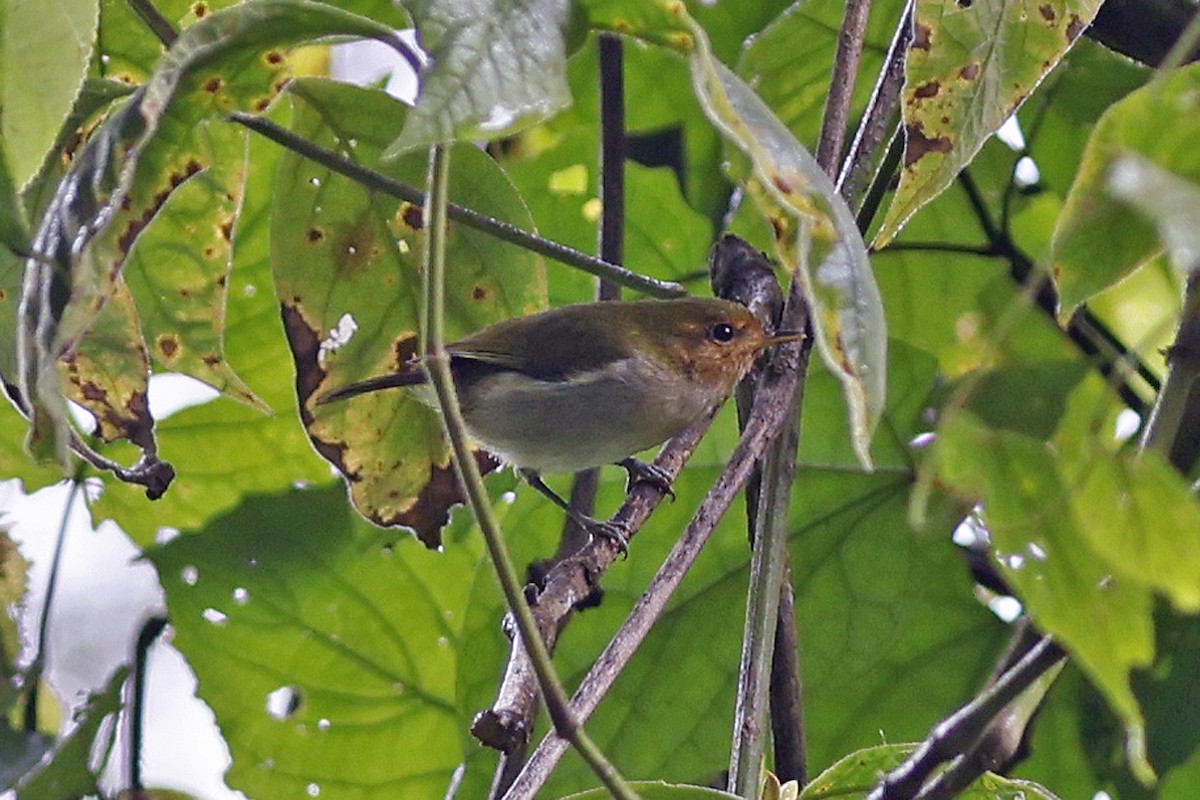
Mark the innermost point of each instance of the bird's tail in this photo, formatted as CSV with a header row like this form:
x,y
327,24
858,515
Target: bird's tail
x,y
392,380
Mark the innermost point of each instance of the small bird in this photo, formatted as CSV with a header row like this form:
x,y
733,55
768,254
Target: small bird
x,y
590,384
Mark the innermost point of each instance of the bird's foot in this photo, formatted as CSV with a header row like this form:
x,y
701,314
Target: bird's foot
x,y
650,473
615,533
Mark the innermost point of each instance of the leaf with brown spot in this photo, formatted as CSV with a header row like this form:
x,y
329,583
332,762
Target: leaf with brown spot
x,y
178,268
126,172
351,298
1020,42
108,373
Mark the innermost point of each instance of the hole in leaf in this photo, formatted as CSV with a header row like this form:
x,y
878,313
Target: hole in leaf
x,y
284,702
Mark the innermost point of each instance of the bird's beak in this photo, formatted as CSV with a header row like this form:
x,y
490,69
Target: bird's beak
x,y
783,337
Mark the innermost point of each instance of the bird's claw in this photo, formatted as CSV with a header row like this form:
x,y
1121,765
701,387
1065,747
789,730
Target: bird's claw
x,y
650,473
612,531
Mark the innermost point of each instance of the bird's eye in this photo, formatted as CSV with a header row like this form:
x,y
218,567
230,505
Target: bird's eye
x,y
722,333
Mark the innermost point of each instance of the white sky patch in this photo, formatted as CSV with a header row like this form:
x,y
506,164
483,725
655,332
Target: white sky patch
x,y
1027,172
1011,134
171,392
366,63
338,338
1126,425
1005,607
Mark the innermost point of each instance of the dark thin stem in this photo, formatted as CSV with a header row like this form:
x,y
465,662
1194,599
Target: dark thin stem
x,y
942,247
38,666
159,25
787,692
137,708
880,124
960,731
1093,337
841,86
505,231
612,157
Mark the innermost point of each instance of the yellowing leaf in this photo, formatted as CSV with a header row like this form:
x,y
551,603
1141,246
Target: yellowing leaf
x,y
969,67
815,236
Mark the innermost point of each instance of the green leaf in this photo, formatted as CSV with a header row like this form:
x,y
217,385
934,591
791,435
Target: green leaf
x,y
178,268
968,69
120,181
70,771
52,41
856,774
321,657
347,271
1140,515
658,21
498,66
1098,242
789,62
803,206
1044,553
1170,202
664,237
223,451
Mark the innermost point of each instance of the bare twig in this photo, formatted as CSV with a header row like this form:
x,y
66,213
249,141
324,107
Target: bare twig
x,y
136,718
961,731
841,86
502,230
881,121
33,677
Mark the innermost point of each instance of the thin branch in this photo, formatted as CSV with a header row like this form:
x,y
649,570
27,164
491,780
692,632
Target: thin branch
x,y
572,580
962,730
136,720
841,86
1091,335
159,25
33,677
762,612
509,721
505,231
437,364
612,157
942,247
787,692
879,124
1171,429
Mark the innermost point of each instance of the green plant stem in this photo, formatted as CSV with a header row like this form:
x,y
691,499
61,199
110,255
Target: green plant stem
x,y
504,231
437,363
762,606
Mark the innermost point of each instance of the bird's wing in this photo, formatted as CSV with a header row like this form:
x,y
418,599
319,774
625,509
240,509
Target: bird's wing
x,y
549,346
